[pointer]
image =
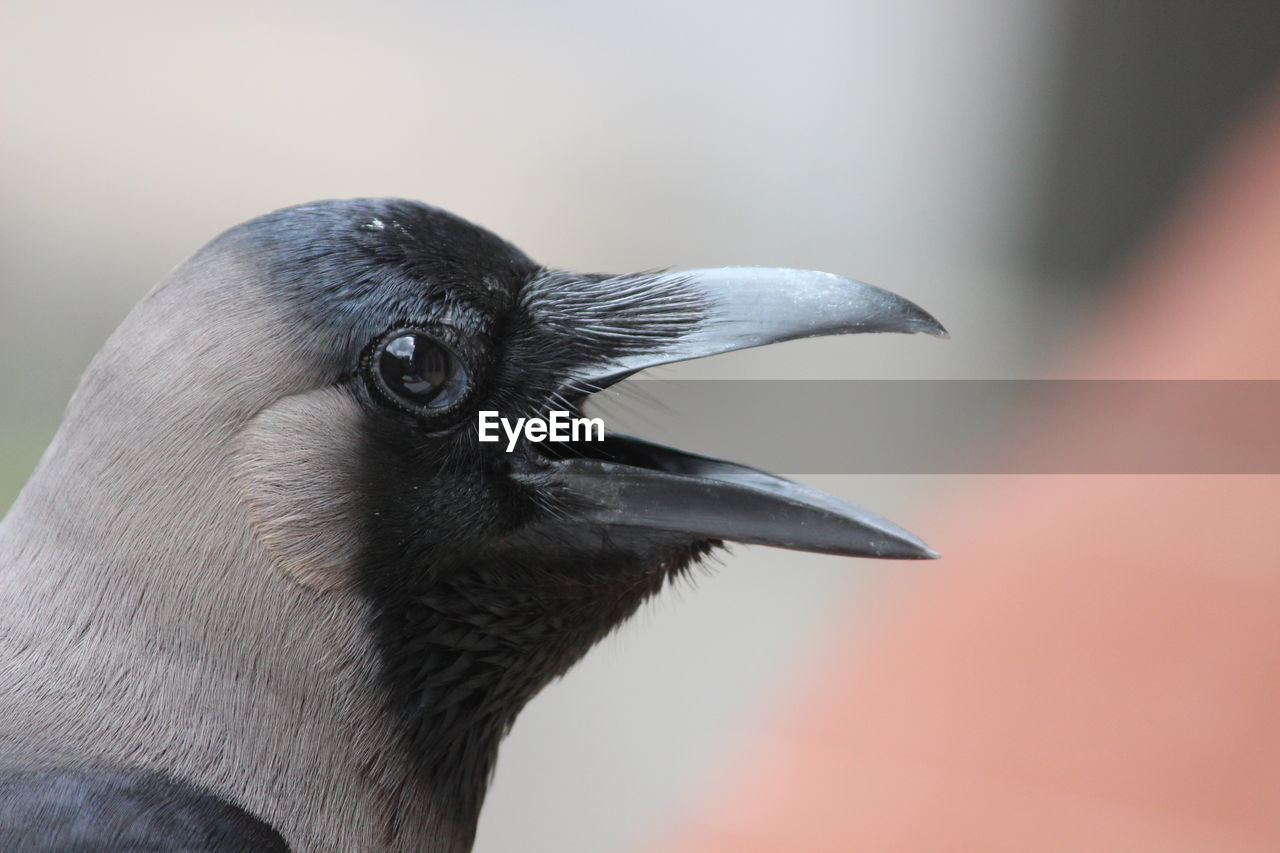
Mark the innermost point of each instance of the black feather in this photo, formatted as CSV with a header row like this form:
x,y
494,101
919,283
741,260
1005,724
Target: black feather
x,y
61,810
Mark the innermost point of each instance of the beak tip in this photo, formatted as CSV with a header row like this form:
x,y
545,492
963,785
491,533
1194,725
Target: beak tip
x,y
916,551
907,546
899,314
923,321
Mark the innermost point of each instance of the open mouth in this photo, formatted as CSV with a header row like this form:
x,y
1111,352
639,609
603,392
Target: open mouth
x,y
641,484
629,482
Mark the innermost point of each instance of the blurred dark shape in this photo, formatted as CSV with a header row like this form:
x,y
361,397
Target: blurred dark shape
x,y
1145,87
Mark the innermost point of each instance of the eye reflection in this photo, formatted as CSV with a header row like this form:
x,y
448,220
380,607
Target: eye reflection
x,y
421,371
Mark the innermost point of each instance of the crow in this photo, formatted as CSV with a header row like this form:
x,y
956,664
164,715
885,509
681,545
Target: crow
x,y
267,590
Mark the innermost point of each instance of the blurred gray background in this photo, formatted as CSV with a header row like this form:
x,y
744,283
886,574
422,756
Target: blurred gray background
x,y
992,159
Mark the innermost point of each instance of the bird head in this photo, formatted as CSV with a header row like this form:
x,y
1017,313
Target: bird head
x,y
334,358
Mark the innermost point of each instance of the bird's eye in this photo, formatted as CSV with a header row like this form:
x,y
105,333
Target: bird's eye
x,y
419,371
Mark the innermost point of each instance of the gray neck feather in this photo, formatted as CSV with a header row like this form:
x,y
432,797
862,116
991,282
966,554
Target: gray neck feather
x,y
135,599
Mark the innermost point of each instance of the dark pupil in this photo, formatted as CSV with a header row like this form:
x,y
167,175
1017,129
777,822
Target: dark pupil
x,y
417,367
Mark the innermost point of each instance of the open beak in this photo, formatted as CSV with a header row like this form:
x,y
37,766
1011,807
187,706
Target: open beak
x,y
627,482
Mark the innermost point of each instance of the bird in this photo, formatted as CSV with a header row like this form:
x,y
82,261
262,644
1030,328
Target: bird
x,y
267,590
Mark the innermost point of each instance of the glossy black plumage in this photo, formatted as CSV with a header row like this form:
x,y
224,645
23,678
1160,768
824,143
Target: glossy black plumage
x,y
121,811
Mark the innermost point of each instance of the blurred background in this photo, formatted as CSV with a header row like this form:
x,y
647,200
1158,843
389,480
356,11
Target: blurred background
x,y
998,161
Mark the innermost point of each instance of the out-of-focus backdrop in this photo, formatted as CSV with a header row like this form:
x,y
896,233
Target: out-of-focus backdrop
x,y
995,160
